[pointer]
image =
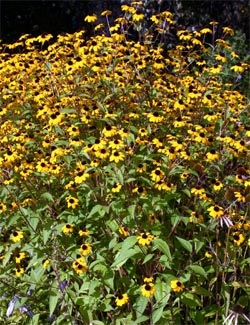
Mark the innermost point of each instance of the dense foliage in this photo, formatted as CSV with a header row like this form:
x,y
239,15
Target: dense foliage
x,y
125,177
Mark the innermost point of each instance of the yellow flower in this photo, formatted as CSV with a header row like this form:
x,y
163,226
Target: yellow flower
x,y
206,31
83,232
238,238
237,68
46,263
208,255
145,239
228,30
137,17
212,155
85,249
73,131
157,174
68,228
116,188
155,117
16,236
240,197
148,289
102,153
121,299
72,202
124,231
20,256
195,218
116,156
91,18
3,207
80,266
141,168
106,13
215,211
148,280
19,271
152,218
177,286
217,185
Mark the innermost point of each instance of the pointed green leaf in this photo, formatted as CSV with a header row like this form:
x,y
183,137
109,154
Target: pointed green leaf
x,y
53,300
163,247
185,244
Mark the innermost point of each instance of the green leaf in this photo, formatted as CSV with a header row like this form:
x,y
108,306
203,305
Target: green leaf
x,y
187,192
140,305
191,299
147,258
198,270
201,291
100,209
53,300
163,247
68,111
157,314
129,242
124,256
185,244
47,196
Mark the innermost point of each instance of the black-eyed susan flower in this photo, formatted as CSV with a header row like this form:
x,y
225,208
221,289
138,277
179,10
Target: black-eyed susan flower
x,y
68,228
239,197
85,249
145,239
148,289
198,190
80,266
42,166
184,175
195,218
215,211
208,255
19,271
73,131
157,174
116,156
102,153
124,231
116,188
212,155
155,117
121,299
19,257
177,286
141,168
109,131
217,185
140,190
46,263
72,202
3,207
116,144
83,232
90,18
16,236
238,238
152,218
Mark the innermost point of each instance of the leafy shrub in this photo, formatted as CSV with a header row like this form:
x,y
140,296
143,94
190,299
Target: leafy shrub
x,y
124,178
